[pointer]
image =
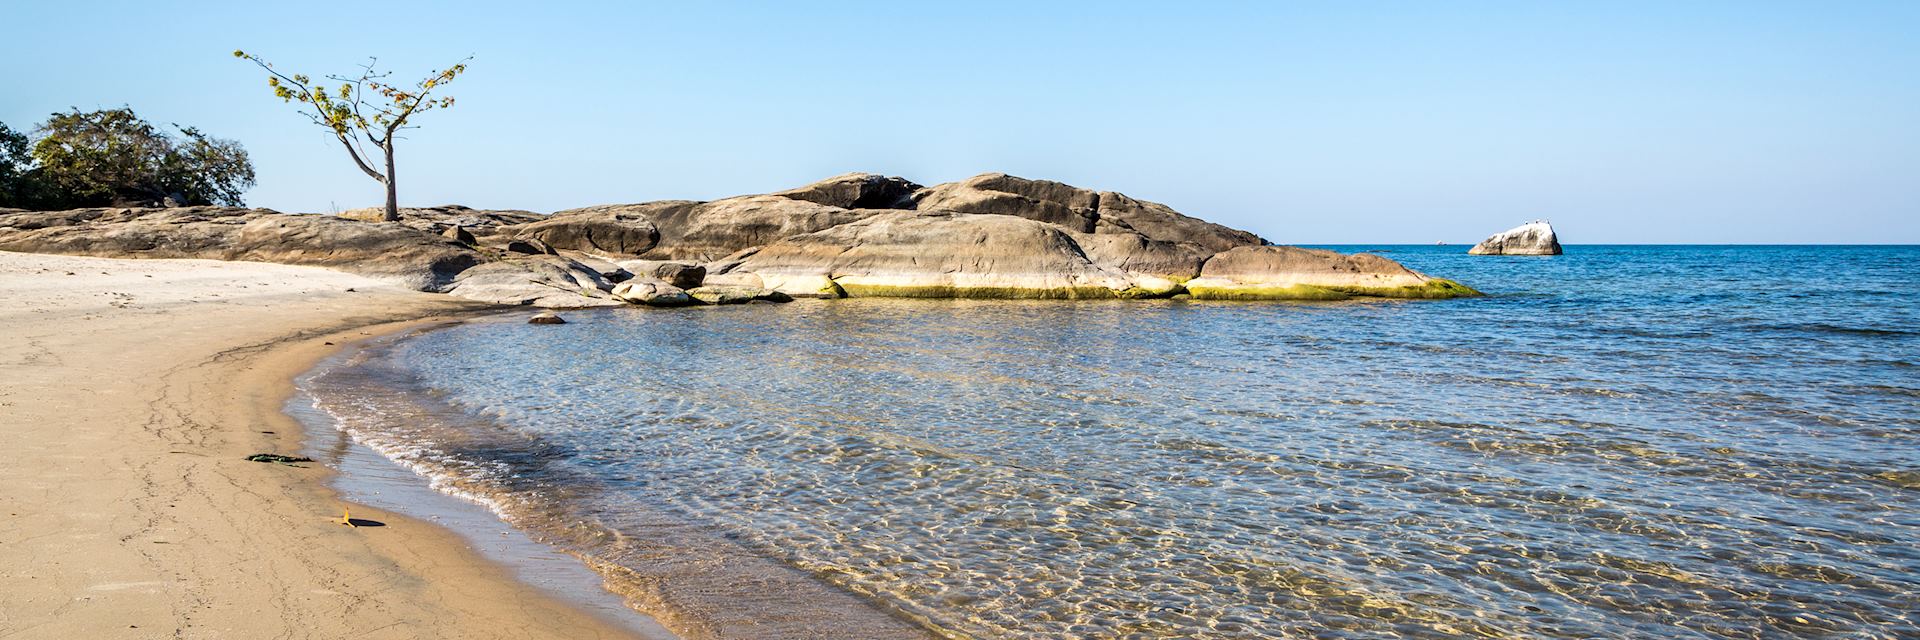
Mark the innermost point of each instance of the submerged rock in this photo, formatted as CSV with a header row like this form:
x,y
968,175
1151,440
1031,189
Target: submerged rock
x,y
546,317
1531,239
1293,273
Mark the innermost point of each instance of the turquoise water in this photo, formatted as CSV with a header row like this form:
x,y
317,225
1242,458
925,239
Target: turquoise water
x,y
1623,441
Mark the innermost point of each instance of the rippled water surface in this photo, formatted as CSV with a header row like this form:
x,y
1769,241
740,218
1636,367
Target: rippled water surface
x,y
1621,441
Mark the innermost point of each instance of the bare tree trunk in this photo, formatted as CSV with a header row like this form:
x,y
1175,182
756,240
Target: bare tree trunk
x,y
393,197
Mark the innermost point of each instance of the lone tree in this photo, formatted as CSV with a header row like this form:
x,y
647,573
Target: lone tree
x,y
112,157
364,109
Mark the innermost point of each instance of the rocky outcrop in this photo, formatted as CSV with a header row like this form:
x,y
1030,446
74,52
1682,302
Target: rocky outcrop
x,y
703,231
936,255
857,191
612,234
1120,213
1531,239
1081,210
1071,207
547,281
1138,255
992,235
1293,273
409,257
479,222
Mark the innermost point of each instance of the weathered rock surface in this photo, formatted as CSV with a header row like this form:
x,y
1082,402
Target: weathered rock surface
x,y
1047,201
547,281
1156,221
936,255
459,234
1293,273
857,191
652,292
610,233
1136,254
1081,210
703,231
1531,239
684,275
528,246
728,294
403,255
480,222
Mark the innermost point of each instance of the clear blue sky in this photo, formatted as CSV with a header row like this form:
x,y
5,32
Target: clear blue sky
x,y
1321,122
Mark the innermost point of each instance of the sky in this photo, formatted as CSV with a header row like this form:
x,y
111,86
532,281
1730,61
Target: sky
x,y
1307,122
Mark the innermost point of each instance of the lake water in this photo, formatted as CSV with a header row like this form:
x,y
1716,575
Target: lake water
x,y
1623,441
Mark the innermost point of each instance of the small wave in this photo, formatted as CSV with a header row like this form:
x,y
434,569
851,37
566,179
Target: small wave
x,y
1834,329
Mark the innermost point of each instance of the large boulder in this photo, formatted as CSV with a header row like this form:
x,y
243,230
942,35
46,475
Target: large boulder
x,y
937,255
684,275
652,292
1047,201
400,254
480,222
733,294
1293,273
610,233
546,281
1138,255
1081,210
857,191
1531,239
1122,214
703,231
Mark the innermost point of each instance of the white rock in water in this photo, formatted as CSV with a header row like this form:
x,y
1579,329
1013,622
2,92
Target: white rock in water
x,y
1531,239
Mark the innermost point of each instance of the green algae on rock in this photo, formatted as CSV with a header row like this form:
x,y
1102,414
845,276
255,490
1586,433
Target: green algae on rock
x,y
1293,273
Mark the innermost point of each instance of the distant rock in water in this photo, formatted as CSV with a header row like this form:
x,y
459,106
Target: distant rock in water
x,y
1531,239
852,235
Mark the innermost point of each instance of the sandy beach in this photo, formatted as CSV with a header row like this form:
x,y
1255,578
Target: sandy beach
x,y
134,389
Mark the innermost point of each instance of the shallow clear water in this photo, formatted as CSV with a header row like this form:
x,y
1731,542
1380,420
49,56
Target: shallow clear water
x,y
1621,441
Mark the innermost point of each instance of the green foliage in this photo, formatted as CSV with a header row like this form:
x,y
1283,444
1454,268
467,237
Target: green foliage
x,y
111,157
14,164
364,109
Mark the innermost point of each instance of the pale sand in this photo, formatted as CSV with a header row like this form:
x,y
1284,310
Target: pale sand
x,y
130,391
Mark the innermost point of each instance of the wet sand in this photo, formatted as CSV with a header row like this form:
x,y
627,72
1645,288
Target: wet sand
x,y
131,391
